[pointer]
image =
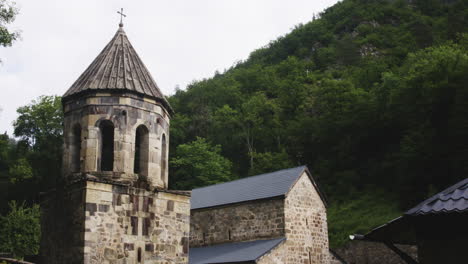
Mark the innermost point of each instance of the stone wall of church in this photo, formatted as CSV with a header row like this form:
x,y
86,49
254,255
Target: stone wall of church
x,y
126,112
306,224
279,254
261,219
132,225
305,228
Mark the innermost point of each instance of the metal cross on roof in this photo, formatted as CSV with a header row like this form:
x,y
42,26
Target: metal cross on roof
x,y
122,15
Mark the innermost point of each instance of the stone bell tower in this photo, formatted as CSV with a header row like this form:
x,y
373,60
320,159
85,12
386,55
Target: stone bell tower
x,y
117,120
112,204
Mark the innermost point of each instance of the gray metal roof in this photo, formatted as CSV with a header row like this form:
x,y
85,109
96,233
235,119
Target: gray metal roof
x,y
118,68
452,199
232,252
262,186
451,202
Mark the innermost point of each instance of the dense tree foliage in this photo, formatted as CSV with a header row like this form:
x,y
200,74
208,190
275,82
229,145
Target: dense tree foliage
x,y
198,164
8,13
31,163
20,230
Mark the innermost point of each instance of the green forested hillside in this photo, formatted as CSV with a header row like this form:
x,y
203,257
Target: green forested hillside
x,y
370,95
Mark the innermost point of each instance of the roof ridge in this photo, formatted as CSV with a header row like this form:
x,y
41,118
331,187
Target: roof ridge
x,y
217,184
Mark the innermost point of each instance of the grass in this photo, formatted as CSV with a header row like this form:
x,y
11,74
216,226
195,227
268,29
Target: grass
x,y
359,215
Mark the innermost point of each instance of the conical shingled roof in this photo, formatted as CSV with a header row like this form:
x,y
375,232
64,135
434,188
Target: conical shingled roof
x,y
117,68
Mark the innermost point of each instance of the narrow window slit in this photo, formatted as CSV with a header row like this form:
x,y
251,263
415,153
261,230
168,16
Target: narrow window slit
x,y
107,145
140,164
76,149
163,157
139,255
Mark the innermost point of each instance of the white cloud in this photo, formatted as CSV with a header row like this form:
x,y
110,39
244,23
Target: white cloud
x,y
179,41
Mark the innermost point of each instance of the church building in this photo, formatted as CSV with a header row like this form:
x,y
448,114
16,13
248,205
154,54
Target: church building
x,y
277,217
113,205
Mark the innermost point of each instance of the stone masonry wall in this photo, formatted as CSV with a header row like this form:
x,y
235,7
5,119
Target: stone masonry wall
x,y
126,112
279,254
240,222
357,252
131,225
306,224
305,228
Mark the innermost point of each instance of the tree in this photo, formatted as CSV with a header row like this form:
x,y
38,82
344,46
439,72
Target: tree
x,y
20,230
39,127
8,13
21,170
257,118
270,161
198,164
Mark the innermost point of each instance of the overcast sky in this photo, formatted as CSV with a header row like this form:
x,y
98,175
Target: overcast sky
x,y
179,41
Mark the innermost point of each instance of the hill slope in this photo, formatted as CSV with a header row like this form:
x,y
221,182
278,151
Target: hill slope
x,y
372,94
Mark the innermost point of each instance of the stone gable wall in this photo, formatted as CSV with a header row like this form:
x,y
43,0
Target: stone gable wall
x,y
305,228
276,255
123,221
306,224
260,219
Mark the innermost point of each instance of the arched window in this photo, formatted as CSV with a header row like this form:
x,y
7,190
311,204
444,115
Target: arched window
x,y
139,255
140,164
163,157
107,145
75,149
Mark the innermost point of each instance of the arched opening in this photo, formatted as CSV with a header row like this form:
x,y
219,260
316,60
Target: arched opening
x,y
163,157
139,255
140,164
75,149
107,145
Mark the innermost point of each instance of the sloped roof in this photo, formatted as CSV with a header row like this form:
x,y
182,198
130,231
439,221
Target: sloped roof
x,y
232,252
262,186
451,203
451,200
118,68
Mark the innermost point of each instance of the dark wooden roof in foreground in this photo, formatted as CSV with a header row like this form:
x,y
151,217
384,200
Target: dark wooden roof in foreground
x,y
117,68
233,252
